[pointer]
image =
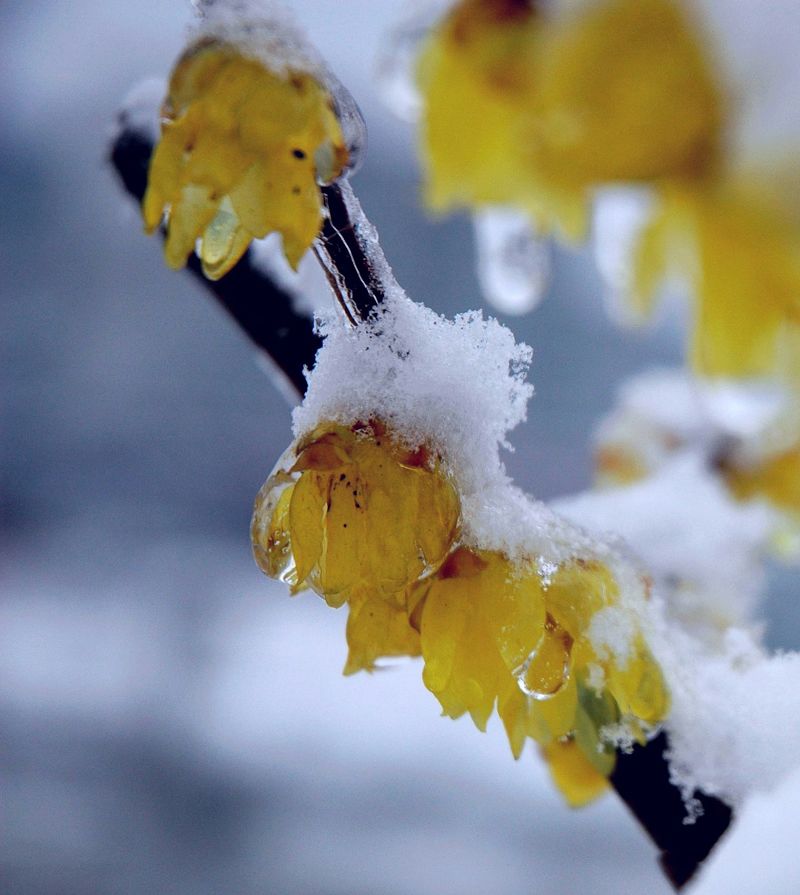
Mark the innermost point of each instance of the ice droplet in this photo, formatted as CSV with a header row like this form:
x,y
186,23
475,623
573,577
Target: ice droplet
x,y
351,120
513,261
620,216
547,669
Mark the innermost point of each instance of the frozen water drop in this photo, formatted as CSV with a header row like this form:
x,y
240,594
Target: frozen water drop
x,y
354,128
513,261
546,671
620,216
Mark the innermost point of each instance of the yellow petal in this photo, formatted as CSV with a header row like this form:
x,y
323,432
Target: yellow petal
x,y
307,510
577,780
242,135
376,629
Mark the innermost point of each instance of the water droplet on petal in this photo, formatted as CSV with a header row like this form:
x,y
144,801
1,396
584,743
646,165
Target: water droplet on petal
x,y
547,669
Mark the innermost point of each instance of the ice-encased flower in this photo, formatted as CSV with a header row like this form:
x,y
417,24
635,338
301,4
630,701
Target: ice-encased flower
x,y
241,152
357,517
496,635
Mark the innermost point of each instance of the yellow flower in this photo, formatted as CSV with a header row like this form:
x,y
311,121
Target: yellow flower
x,y
474,75
362,520
358,518
737,240
775,478
496,635
241,150
537,109
624,93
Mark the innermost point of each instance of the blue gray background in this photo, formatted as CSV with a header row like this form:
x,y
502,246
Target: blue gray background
x,y
172,721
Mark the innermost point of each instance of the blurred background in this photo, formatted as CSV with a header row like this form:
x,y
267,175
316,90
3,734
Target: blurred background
x,y
172,721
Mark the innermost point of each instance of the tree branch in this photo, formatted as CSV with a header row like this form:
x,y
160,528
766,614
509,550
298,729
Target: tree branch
x,y
266,314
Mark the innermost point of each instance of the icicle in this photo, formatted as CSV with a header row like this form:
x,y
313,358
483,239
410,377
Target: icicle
x,y
513,262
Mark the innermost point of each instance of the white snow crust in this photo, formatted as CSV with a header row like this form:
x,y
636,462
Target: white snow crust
x,y
456,385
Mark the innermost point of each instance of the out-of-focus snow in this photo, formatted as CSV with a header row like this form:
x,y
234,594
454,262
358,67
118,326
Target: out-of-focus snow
x,y
513,263
285,776
758,856
702,547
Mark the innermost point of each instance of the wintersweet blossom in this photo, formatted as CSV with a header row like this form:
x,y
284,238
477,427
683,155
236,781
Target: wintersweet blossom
x,y
541,107
365,521
357,517
241,152
535,109
495,634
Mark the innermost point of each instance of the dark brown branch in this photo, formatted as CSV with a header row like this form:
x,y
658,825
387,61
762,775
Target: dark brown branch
x,y
266,314
641,778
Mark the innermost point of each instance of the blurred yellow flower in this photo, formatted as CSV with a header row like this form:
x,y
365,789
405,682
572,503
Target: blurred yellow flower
x,y
241,152
537,109
737,241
